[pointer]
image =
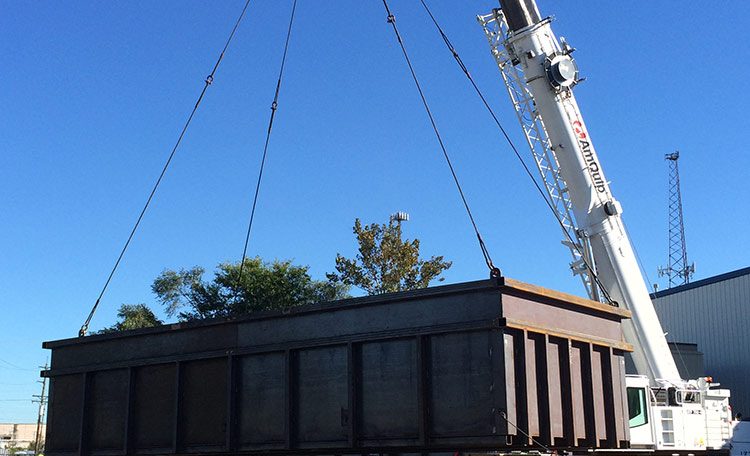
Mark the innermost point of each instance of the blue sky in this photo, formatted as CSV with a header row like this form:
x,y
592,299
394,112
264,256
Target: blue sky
x,y
95,93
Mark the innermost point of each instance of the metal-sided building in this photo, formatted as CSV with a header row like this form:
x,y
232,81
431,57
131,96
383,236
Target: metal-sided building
x,y
715,314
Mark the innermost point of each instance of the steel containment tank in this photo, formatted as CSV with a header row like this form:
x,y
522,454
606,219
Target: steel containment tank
x,y
472,366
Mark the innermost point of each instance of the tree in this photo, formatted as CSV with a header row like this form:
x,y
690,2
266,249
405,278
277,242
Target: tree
x,y
133,316
37,450
277,285
386,262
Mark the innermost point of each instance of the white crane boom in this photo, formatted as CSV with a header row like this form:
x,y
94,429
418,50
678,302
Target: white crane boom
x,y
665,411
550,74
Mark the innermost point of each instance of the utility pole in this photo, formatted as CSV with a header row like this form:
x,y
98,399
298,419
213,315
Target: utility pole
x,y
678,270
42,400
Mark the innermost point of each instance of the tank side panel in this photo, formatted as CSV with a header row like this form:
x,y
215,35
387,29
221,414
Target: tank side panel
x,y
153,417
151,345
511,379
65,413
571,319
519,428
531,385
576,384
461,400
322,397
261,398
388,317
599,412
565,379
541,357
554,390
609,440
203,404
107,409
388,391
618,385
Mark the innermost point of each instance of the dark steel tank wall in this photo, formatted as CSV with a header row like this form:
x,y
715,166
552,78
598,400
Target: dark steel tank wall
x,y
441,369
370,316
564,370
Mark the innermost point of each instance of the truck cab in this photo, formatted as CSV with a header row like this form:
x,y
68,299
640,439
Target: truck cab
x,y
640,420
675,418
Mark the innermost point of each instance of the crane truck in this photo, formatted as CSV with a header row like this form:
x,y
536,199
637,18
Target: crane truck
x,y
666,412
494,366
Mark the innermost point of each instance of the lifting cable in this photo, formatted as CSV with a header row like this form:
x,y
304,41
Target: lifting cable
x,y
209,80
494,271
465,70
274,106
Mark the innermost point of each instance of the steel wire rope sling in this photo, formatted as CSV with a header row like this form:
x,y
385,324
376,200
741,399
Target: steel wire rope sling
x,y
209,80
494,271
274,106
513,147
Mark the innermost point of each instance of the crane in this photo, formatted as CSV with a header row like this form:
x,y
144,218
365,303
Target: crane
x,y
540,73
550,73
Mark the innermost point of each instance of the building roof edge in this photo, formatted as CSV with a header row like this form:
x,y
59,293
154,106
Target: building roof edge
x,y
702,282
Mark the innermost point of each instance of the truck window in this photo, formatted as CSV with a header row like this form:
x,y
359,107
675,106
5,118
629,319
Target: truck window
x,y
637,410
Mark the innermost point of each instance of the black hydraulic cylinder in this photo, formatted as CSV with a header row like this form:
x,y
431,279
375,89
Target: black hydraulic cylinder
x,y
520,13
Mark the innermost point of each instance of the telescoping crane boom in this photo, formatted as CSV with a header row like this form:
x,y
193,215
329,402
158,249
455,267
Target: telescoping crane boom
x,y
550,73
666,412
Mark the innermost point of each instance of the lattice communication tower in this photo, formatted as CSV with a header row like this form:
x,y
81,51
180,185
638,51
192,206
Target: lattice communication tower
x,y
678,270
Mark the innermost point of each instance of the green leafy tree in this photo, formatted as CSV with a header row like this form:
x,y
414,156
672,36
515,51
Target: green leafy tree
x,y
385,262
277,285
133,316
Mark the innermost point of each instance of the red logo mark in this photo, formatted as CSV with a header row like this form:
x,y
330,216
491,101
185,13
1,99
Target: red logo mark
x,y
578,129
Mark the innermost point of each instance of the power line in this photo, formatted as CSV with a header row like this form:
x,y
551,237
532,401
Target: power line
x,y
274,106
209,80
494,271
14,366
